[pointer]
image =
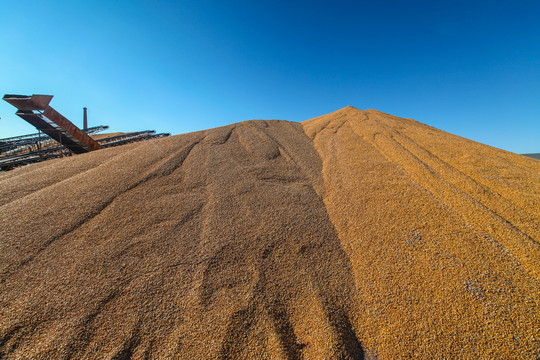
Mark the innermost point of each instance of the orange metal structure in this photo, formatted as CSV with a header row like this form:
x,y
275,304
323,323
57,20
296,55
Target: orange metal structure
x,y
35,109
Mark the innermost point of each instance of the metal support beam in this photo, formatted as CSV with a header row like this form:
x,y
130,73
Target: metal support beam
x,y
70,128
25,102
35,110
40,123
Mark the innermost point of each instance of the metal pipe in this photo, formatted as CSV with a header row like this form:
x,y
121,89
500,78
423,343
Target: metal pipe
x,y
85,121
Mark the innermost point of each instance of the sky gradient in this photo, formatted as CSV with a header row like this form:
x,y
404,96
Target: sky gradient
x,y
471,68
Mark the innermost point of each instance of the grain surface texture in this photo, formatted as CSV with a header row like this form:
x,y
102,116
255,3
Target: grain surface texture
x,y
354,235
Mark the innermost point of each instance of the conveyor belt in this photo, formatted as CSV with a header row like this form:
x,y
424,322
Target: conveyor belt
x,y
55,152
36,111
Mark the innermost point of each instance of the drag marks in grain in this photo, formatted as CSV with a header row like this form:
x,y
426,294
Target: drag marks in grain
x,y
352,235
431,245
72,215
188,246
468,199
252,274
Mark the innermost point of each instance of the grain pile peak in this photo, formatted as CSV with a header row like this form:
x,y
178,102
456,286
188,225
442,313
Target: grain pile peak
x,y
352,235
442,233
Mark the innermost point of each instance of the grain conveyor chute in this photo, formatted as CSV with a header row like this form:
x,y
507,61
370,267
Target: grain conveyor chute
x,y
35,109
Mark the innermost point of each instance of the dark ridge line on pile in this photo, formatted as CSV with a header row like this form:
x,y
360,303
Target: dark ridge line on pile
x,y
454,211
153,174
285,331
277,179
436,175
160,166
49,164
471,196
254,125
417,184
190,215
466,176
328,122
228,135
456,189
288,156
87,321
83,341
475,181
149,350
15,331
340,126
8,336
126,353
240,323
317,133
511,257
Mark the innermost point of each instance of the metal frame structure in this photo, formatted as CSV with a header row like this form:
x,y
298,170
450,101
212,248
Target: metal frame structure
x,y
10,162
17,151
17,143
36,111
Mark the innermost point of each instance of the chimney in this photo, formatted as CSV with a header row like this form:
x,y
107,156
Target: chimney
x,y
85,117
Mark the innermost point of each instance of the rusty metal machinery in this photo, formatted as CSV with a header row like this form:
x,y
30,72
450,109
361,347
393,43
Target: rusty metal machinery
x,y
36,111
12,161
26,149
19,143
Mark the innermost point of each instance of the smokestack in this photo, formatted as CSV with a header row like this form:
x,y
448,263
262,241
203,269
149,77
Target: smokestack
x,y
85,121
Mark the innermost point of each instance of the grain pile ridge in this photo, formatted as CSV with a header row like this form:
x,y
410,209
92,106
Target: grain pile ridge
x,y
215,244
354,235
443,234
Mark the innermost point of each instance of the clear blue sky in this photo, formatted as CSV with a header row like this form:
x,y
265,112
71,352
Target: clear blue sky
x,y
468,67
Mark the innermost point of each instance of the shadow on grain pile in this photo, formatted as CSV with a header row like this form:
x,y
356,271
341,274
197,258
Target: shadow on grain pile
x,y
275,240
443,234
214,244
